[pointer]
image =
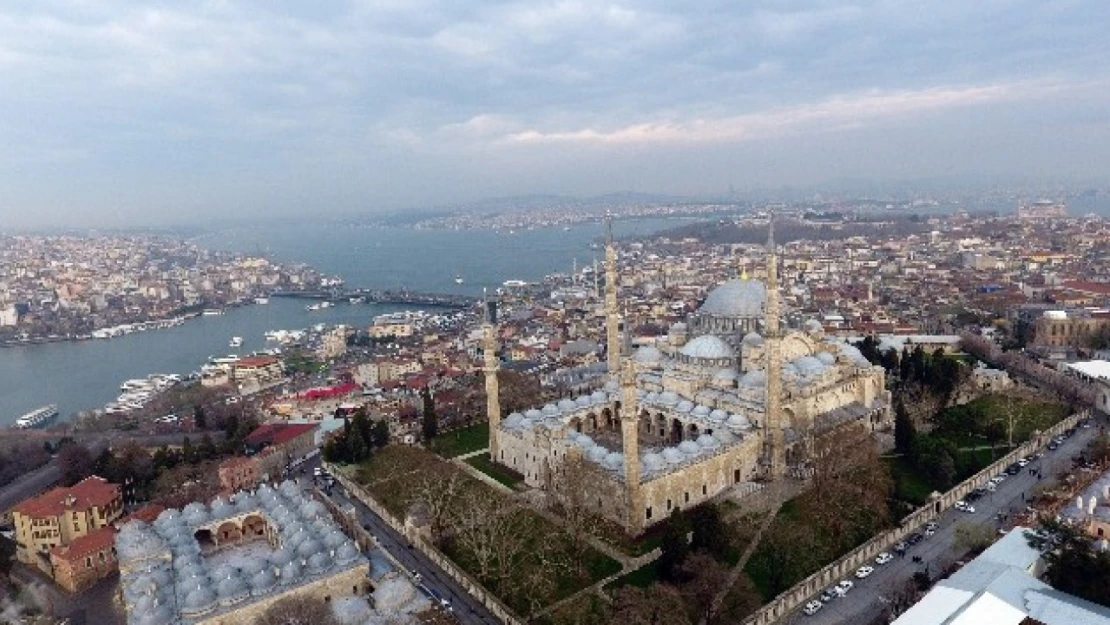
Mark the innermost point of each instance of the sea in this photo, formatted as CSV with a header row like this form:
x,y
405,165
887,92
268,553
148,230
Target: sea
x,y
86,375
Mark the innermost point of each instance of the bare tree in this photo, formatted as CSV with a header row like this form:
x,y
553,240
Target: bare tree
x,y
442,493
300,610
572,488
850,485
659,605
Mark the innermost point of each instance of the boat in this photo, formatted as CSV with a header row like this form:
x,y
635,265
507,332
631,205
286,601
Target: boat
x,y
325,304
236,341
312,307
458,279
209,312
37,417
358,300
261,300
514,283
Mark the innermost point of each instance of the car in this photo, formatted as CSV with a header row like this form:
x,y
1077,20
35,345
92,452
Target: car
x,y
829,595
973,495
317,472
883,558
932,525
991,486
960,505
1022,463
900,547
929,532
1013,469
416,575
970,509
864,571
844,586
812,607
914,538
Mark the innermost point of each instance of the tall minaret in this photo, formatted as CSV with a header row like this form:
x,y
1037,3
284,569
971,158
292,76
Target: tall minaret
x,y
630,441
491,367
775,447
612,318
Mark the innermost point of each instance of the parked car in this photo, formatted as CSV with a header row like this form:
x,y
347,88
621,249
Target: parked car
x,y
901,547
844,586
812,607
964,506
991,487
829,594
864,571
914,538
883,558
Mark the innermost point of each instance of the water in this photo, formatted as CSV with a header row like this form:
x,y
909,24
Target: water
x,y
86,375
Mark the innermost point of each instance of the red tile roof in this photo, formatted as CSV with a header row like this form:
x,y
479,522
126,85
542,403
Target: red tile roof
x,y
96,540
93,491
1101,288
278,433
256,361
147,513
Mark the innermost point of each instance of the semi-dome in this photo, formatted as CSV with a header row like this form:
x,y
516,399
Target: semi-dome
x,y
753,339
690,448
736,298
709,347
647,355
826,358
809,366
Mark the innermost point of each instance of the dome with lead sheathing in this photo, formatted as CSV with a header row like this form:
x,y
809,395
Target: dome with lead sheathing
x,y
753,339
690,448
736,298
614,460
597,454
647,355
706,441
568,405
673,455
708,347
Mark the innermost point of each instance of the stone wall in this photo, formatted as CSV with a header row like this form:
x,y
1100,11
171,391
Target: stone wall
x,y
353,581
790,599
499,610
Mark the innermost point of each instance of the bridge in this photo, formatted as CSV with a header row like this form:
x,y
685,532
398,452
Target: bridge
x,y
392,296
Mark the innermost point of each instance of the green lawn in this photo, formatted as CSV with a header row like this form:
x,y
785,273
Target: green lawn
x,y
462,440
642,577
501,473
909,486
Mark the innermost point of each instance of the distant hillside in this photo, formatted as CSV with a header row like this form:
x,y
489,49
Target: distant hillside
x,y
789,230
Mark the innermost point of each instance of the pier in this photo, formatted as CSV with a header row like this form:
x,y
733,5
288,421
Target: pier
x,y
376,296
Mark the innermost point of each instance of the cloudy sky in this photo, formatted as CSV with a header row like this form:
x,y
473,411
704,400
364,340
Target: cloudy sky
x,y
115,111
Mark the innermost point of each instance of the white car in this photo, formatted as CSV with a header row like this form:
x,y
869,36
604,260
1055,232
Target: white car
x,y
968,508
1021,463
992,486
864,571
844,586
929,531
883,558
812,607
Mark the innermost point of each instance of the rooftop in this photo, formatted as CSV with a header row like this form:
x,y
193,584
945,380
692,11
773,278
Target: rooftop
x,y
277,433
93,491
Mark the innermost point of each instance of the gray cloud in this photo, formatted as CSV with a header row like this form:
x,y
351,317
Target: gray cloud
x,y
111,110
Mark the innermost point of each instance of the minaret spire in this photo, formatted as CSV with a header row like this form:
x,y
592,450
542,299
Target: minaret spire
x,y
612,318
491,366
775,447
630,441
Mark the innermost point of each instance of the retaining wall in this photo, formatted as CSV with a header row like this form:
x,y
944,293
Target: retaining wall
x,y
798,594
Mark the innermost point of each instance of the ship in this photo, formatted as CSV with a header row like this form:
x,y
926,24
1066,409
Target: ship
x,y
261,300
236,341
458,279
37,417
208,312
312,307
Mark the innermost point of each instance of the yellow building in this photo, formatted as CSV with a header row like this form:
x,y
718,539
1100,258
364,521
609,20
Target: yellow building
x,y
60,516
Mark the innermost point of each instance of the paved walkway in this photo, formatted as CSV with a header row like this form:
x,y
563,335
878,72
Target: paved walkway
x,y
460,461
738,570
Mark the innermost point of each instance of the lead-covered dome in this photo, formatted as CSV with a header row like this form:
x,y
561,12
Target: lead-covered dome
x,y
709,347
736,298
647,355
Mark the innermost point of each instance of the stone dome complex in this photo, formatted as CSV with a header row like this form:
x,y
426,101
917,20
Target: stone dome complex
x,y
707,409
204,562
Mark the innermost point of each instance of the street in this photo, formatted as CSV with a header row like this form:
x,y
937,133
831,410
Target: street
x,y
466,609
866,601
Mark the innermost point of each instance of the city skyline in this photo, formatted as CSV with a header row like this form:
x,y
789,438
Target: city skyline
x,y
119,115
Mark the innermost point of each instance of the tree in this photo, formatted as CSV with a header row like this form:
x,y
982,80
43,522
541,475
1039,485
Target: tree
x,y
658,605
571,487
675,545
76,462
299,610
972,537
430,422
200,418
379,433
709,532
1072,564
904,430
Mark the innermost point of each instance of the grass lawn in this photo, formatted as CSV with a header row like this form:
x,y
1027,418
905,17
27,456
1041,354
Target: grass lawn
x,y
642,577
909,486
396,473
501,473
461,440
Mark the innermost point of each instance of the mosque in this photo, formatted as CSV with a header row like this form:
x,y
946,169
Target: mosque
x,y
730,402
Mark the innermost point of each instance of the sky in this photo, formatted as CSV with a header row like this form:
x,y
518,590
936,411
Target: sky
x,y
117,112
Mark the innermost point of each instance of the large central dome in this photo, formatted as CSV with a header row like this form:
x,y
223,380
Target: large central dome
x,y
736,298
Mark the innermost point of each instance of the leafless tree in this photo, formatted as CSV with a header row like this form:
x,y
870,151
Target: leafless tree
x,y
572,488
442,493
299,610
659,605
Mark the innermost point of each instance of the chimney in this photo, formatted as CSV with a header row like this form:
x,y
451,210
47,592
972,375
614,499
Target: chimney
x,y
70,500
1091,505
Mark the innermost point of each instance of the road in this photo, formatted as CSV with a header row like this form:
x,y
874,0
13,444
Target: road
x,y
867,600
467,609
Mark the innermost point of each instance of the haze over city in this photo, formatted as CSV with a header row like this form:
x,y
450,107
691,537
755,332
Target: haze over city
x,y
119,114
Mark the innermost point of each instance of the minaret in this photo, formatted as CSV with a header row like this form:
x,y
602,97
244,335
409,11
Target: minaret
x,y
775,448
630,441
491,367
612,318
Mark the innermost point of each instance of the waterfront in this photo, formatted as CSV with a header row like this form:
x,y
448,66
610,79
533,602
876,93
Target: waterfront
x,y
86,375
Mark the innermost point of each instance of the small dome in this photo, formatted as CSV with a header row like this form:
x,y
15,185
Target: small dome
x,y
706,441
158,615
738,421
312,509
718,415
585,442
347,553
291,573
736,298
583,401
651,398
195,513
673,455
263,581
725,374
534,415
198,601
597,453
169,515
678,326
283,556
319,563
754,378
614,461
647,355
685,406
334,538
753,339
701,411
707,347
653,461
826,358
599,397
231,590
612,386
690,448
309,547
513,420
724,436
568,405
813,325
668,398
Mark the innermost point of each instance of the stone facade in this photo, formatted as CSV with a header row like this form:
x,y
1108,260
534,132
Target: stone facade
x,y
61,516
1074,331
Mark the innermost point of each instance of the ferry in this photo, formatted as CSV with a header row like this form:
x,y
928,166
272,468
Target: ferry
x,y
312,307
514,283
210,312
37,417
236,341
358,300
261,300
458,279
